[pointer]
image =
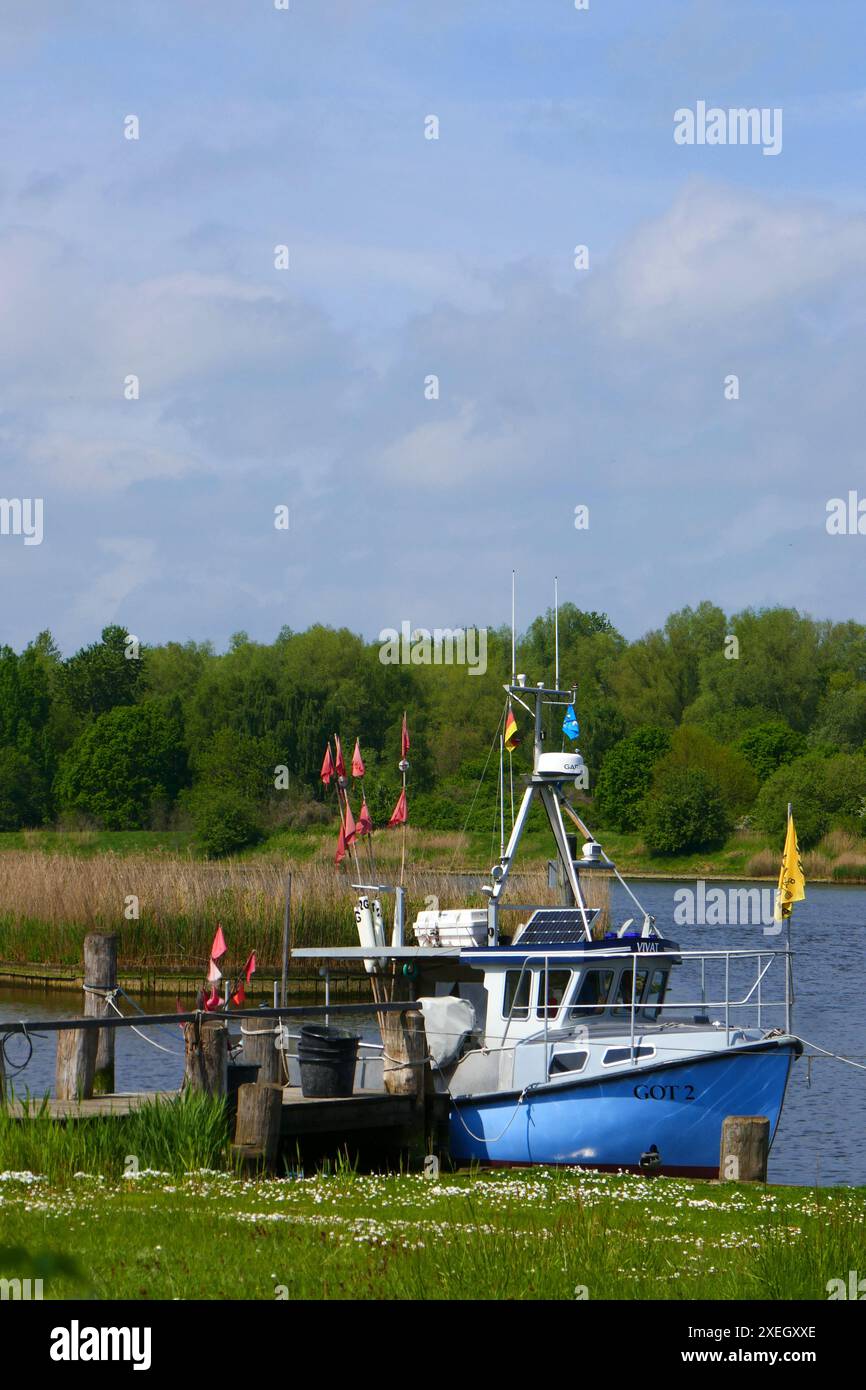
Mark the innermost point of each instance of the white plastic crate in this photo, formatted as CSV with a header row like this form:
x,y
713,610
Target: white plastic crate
x,y
462,926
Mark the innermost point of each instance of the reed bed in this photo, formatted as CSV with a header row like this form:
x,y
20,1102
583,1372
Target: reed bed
x,y
48,904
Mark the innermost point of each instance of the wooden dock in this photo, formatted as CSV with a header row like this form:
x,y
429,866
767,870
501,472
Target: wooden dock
x,y
299,1114
368,1125
270,1121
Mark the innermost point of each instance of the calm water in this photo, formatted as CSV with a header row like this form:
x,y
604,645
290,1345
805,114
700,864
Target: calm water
x,y
820,1137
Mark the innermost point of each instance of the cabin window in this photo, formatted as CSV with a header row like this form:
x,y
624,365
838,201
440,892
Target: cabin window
x,y
592,994
623,994
516,1001
557,985
567,1061
624,1054
655,994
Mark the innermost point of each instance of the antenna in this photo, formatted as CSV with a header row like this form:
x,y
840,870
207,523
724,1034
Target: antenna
x,y
513,630
556,627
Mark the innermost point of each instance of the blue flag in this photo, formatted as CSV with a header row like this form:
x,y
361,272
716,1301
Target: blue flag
x,y
570,726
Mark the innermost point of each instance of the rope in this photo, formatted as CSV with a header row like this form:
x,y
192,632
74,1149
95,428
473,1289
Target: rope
x,y
837,1056
16,1068
172,1052
482,1138
499,726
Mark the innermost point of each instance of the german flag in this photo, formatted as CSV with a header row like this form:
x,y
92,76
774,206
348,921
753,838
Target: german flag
x,y
512,738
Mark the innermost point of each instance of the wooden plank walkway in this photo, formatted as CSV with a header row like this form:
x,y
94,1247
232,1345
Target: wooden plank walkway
x,y
301,1114
86,1109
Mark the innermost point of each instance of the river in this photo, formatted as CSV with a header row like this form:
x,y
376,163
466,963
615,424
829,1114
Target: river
x,y
820,1136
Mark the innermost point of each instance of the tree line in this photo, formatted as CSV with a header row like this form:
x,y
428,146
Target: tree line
x,y
709,722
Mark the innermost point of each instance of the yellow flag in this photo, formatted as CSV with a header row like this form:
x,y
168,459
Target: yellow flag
x,y
792,881
511,736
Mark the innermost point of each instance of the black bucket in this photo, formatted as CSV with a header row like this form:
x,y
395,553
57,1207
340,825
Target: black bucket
x,y
327,1058
240,1074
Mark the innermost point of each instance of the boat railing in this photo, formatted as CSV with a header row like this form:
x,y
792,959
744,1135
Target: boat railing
x,y
642,1010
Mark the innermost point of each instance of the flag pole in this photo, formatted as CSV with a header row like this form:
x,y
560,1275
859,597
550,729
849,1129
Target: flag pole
x,y
501,798
788,977
403,826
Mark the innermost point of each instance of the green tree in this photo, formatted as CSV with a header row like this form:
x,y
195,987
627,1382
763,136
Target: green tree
x,y
777,672
224,820
23,795
124,764
767,746
692,747
105,674
627,775
821,790
684,811
841,721
658,676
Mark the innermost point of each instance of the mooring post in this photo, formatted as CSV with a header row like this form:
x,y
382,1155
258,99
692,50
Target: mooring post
x,y
2,1075
100,975
260,1103
257,1127
206,1056
745,1148
76,1063
404,1065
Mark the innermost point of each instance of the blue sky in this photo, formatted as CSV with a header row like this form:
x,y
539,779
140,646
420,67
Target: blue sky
x,y
411,257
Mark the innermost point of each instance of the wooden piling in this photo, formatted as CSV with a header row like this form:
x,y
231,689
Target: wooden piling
x,y
745,1148
405,1053
259,1110
76,1063
404,1065
2,1075
260,1038
100,973
257,1128
206,1056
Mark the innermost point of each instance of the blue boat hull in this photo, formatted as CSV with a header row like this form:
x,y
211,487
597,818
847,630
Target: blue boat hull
x,y
677,1108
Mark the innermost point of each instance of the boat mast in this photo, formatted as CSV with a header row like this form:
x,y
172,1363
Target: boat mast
x,y
556,628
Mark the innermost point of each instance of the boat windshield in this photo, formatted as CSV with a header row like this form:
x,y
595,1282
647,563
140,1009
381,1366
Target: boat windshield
x,y
592,994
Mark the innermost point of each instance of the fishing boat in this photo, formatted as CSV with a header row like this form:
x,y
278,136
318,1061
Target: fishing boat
x,y
563,1039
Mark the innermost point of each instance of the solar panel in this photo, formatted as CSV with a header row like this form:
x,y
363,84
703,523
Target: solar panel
x,y
556,926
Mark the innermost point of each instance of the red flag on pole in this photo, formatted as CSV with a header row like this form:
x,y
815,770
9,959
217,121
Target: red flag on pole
x,y
219,947
400,814
250,967
339,765
239,995
213,1000
404,738
350,828
357,761
327,771
341,847
365,824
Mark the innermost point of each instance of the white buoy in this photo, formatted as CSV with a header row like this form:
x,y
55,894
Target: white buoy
x,y
366,930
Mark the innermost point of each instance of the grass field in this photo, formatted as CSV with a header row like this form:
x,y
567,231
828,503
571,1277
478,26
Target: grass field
x,y
527,1235
840,856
